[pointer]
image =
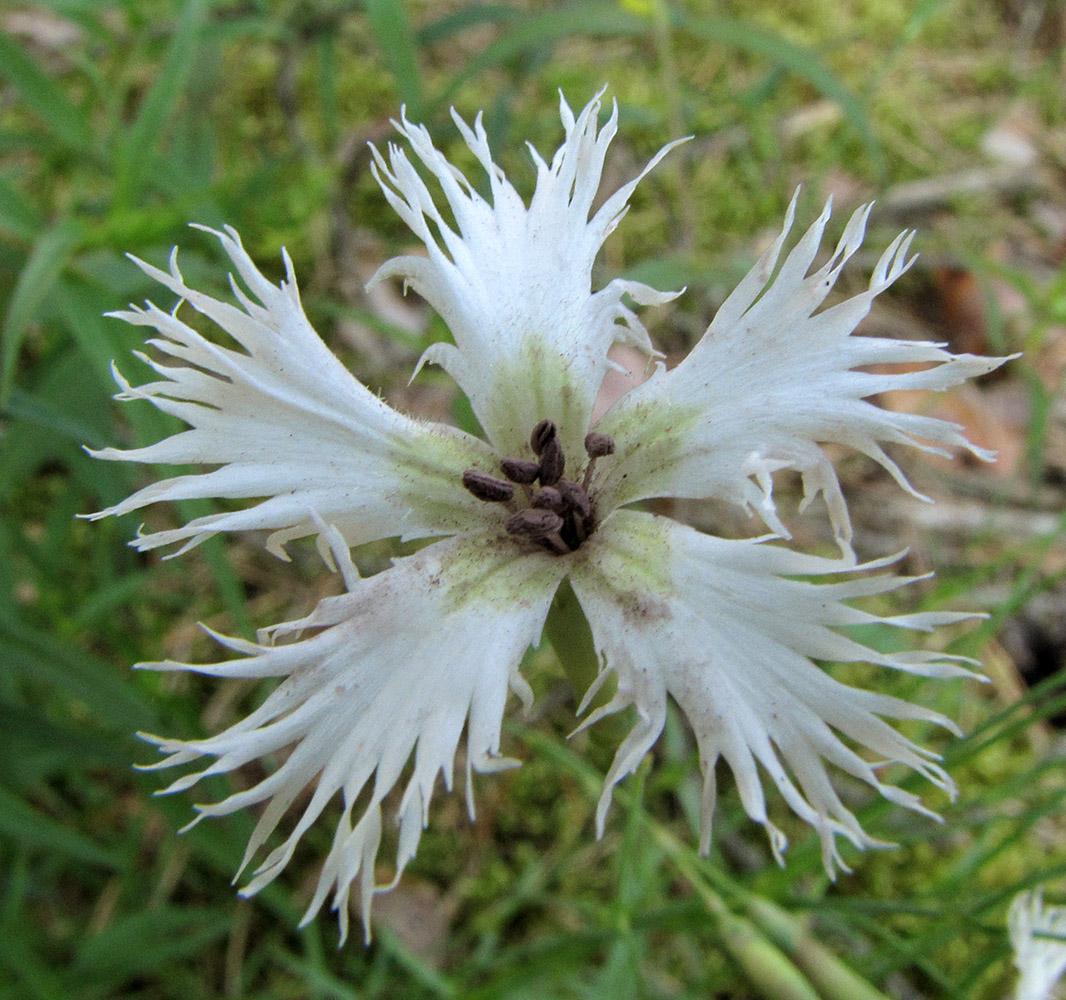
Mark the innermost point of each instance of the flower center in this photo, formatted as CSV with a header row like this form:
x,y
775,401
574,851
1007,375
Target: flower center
x,y
559,515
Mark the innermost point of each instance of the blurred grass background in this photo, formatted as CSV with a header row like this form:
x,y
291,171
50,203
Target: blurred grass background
x,y
122,121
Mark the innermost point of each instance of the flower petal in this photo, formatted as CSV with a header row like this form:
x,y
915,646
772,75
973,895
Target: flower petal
x,y
286,421
513,282
717,625
772,380
403,661
1038,937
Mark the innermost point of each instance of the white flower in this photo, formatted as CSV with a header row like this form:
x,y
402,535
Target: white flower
x,y
397,667
1038,937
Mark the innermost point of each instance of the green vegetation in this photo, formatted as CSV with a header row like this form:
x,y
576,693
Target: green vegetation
x,y
122,121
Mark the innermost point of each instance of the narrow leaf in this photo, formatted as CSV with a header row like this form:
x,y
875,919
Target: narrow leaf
x,y
143,941
43,95
542,30
42,657
47,259
795,58
18,216
392,29
22,823
142,141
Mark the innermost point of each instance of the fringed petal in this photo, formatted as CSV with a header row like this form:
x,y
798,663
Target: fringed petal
x,y
772,380
719,626
513,282
1038,937
286,422
395,669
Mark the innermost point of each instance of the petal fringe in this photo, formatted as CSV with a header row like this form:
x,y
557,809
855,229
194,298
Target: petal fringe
x,y
396,668
772,380
513,282
718,626
285,421
1038,937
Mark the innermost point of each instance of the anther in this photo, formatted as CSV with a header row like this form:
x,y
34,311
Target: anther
x,y
552,461
599,445
538,525
559,516
542,434
549,498
533,522
576,499
487,488
520,470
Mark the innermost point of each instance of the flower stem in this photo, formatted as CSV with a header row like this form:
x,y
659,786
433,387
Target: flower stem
x,y
833,978
771,945
765,966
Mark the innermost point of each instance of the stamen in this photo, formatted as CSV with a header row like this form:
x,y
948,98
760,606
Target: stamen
x,y
538,525
579,513
520,470
596,446
534,523
599,445
487,488
550,499
542,434
552,461
576,498
560,515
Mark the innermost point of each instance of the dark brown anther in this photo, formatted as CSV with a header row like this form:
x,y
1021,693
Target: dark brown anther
x,y
576,499
558,517
520,470
552,462
598,445
534,523
487,488
542,434
549,498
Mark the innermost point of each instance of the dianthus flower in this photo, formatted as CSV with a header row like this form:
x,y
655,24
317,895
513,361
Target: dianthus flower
x,y
1038,938
402,663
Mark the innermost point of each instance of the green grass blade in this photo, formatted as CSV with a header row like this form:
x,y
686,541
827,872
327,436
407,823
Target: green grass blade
x,y
18,216
796,59
33,972
392,29
43,658
145,941
43,95
42,413
324,984
23,824
81,308
49,256
467,17
138,150
593,19
544,30
32,745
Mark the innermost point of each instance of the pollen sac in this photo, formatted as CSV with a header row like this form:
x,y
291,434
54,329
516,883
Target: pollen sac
x,y
542,434
552,462
549,498
534,523
520,470
598,445
575,498
486,487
